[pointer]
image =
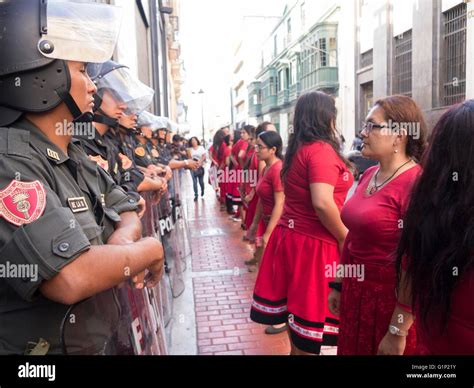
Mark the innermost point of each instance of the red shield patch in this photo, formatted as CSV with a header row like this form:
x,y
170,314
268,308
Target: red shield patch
x,y
22,202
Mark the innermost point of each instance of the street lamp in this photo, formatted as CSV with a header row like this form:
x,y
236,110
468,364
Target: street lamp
x,y
201,92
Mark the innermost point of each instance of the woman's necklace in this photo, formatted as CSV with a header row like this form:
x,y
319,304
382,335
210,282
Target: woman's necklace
x,y
372,189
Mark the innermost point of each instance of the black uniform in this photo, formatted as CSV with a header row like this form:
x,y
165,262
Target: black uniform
x,y
105,148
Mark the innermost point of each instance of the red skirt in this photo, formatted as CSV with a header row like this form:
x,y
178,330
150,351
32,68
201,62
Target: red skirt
x,y
366,310
251,209
233,193
292,287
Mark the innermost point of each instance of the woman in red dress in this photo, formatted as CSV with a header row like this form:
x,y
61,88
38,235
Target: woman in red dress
x,y
255,168
292,281
269,188
218,156
270,197
435,257
239,150
374,216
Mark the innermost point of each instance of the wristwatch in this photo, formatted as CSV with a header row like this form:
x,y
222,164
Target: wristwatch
x,y
335,286
186,162
394,330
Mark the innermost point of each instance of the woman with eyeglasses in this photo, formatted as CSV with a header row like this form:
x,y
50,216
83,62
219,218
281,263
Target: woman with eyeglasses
x,y
254,168
270,196
269,188
435,256
363,295
292,282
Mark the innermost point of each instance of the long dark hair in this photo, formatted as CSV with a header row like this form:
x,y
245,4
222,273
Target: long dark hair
x,y
250,129
237,135
217,141
273,139
315,116
262,127
438,236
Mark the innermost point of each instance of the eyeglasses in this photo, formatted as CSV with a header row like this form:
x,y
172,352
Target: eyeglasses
x,y
369,126
259,147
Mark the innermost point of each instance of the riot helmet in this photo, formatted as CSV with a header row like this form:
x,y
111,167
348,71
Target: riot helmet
x,y
37,38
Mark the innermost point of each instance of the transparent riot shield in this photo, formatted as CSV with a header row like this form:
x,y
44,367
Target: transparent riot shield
x,y
123,320
170,243
91,326
179,219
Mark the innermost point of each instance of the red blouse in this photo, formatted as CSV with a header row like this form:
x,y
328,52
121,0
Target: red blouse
x,y
375,221
458,339
224,151
269,184
241,145
317,162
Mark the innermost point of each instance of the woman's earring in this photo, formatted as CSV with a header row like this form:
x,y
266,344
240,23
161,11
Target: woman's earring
x,y
396,151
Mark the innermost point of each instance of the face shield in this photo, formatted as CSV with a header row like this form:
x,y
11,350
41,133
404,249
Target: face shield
x,y
146,119
79,31
124,87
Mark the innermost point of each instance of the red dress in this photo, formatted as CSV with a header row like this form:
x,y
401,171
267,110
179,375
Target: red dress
x,y
368,299
233,185
252,167
292,284
224,152
269,184
458,339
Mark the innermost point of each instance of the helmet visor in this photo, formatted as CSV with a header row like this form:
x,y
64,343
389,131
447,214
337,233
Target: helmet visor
x,y
126,89
146,119
79,31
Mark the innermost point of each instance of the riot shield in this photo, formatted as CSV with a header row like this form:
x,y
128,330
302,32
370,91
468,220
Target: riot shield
x,y
123,320
170,245
181,228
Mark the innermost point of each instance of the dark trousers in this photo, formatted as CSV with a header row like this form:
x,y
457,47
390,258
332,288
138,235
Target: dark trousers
x,y
195,183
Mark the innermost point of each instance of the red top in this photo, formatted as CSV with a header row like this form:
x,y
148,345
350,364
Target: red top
x,y
252,161
269,184
313,163
224,150
459,336
375,221
241,145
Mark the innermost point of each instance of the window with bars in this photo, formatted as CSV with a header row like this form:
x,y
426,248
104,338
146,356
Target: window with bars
x,y
402,68
367,58
454,62
366,99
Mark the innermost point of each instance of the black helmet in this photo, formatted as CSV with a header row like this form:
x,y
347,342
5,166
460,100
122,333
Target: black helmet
x,y
38,36
117,79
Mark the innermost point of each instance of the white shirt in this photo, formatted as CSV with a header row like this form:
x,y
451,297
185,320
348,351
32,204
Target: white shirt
x,y
198,152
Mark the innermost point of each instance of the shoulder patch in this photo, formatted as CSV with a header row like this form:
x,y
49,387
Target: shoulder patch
x,y
22,202
140,151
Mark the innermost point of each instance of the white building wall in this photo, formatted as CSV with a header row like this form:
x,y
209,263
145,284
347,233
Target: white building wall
x,y
347,71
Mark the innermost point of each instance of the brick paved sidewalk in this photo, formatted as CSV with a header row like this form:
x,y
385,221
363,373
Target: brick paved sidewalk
x,y
223,287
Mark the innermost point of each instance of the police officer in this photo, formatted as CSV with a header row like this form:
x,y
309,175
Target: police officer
x,y
125,139
119,92
59,212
